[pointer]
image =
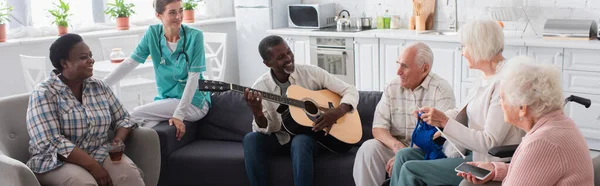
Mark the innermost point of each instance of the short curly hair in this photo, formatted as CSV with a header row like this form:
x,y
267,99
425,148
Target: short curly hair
x,y
536,85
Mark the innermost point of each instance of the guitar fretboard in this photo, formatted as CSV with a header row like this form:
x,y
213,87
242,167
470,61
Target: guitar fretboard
x,y
269,96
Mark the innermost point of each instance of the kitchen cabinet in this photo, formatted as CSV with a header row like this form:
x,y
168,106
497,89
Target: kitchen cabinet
x,y
547,55
582,59
300,46
470,75
461,98
389,50
445,57
366,63
586,119
581,82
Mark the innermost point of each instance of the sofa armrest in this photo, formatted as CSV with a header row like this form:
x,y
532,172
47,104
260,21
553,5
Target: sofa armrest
x,y
16,173
143,148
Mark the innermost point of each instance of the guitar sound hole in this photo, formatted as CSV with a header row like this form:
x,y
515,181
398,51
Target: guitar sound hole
x,y
310,108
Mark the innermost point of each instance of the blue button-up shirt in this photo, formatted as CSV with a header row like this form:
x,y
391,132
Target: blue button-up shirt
x,y
57,122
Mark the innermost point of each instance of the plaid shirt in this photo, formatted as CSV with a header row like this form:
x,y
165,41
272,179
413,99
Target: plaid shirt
x,y
57,122
394,112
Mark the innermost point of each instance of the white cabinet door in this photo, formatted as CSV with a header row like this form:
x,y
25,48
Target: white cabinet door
x,y
587,119
582,82
300,46
465,88
469,75
582,59
389,49
446,56
552,56
366,63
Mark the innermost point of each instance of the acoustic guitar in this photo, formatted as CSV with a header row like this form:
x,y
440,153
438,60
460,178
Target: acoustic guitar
x,y
305,106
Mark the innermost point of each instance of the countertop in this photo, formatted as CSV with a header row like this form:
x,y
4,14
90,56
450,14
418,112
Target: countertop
x,y
510,38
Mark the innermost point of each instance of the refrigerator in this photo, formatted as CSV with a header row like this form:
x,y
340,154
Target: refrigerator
x,y
253,19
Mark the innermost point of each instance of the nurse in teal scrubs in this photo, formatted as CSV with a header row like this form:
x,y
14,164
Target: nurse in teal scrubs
x,y
177,53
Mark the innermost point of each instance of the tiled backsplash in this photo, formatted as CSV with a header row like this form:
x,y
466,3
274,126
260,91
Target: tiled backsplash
x,y
538,11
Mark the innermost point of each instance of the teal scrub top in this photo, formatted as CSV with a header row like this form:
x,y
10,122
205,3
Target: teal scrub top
x,y
172,74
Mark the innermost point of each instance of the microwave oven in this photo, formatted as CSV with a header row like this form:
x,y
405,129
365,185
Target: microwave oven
x,y
311,15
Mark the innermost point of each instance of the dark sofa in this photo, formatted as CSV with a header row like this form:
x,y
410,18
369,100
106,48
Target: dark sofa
x,y
211,151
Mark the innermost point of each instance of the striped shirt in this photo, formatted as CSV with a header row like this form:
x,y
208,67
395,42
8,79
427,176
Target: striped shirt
x,y
553,152
57,122
394,112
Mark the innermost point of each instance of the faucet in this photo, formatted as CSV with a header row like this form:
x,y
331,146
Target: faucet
x,y
454,25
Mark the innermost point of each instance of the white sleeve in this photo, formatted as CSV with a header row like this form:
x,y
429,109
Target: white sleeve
x,y
188,93
125,68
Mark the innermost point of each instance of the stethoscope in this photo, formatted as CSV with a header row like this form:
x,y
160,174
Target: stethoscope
x,y
162,60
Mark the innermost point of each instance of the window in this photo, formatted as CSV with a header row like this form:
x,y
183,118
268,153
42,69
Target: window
x,y
144,10
81,11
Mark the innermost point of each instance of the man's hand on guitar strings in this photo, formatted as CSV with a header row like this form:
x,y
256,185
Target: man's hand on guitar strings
x,y
253,100
329,117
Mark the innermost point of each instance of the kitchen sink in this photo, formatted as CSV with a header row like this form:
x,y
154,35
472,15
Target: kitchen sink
x,y
435,32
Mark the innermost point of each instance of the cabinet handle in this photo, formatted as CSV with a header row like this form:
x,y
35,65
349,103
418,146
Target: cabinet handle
x,y
598,117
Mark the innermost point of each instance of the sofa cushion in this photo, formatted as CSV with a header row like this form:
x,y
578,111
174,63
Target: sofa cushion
x,y
329,169
366,108
210,162
228,119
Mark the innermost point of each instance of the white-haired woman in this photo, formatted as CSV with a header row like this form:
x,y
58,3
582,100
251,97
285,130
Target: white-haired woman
x,y
477,126
553,152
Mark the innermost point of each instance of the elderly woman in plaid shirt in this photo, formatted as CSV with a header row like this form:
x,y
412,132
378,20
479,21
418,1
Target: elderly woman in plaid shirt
x,y
68,119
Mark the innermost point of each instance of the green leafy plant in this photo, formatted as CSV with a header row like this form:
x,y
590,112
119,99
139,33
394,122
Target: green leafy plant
x,y
4,12
60,13
119,9
190,4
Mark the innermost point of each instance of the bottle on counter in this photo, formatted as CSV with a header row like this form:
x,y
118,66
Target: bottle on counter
x,y
117,56
395,22
380,22
386,20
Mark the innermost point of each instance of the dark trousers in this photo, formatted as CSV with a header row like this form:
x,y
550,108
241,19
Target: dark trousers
x,y
258,148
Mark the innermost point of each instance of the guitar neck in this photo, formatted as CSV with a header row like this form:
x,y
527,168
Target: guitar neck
x,y
269,96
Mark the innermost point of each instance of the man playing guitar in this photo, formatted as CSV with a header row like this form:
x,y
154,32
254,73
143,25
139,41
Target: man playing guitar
x,y
269,136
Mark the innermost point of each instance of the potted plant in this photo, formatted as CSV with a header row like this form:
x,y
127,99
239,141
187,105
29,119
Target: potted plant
x,y
121,11
4,10
61,15
188,10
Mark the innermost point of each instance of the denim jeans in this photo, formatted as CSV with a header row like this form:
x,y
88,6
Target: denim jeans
x,y
258,148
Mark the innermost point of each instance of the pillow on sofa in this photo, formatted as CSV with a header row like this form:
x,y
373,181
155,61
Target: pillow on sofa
x,y
228,119
366,108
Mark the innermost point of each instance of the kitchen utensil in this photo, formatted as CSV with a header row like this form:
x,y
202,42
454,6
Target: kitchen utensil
x,y
570,29
411,23
426,9
364,22
342,21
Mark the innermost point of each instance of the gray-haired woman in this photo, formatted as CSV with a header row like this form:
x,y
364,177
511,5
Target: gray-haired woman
x,y
477,126
554,151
